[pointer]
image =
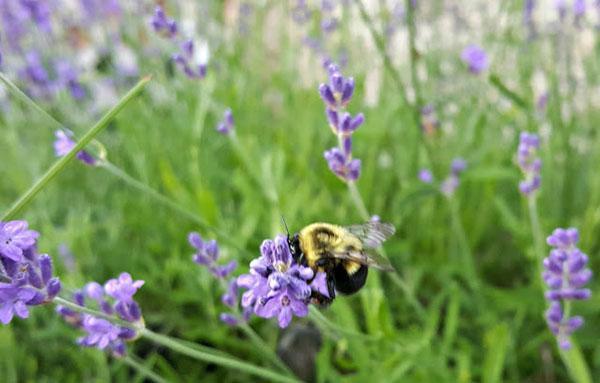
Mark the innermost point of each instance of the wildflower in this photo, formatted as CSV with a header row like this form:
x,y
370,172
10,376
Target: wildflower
x,y
561,8
162,24
336,94
425,176
476,58
207,254
565,274
36,75
531,165
226,125
190,60
114,299
26,275
278,287
579,9
451,183
63,145
67,78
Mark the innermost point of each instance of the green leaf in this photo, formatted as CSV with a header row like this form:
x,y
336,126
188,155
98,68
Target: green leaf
x,y
496,344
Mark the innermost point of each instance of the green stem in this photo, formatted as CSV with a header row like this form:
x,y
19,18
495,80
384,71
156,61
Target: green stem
x,y
260,344
60,165
179,346
537,239
227,362
380,44
358,201
143,370
463,244
412,34
152,193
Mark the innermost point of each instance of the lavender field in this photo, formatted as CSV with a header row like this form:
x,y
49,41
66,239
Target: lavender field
x,y
161,162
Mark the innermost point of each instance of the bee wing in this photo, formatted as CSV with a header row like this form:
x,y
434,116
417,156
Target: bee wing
x,y
372,234
367,258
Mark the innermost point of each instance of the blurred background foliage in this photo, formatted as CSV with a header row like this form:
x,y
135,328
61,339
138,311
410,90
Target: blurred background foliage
x,y
265,61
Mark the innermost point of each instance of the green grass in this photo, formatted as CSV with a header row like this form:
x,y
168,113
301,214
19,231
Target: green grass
x,y
484,324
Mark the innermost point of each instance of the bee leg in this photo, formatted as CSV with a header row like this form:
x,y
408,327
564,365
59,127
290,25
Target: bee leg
x,y
330,285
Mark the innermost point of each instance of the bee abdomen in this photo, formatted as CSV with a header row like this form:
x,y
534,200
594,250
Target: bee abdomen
x,y
347,283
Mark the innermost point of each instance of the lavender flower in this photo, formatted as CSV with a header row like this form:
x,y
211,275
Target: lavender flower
x,y
63,145
26,275
36,75
426,176
529,143
336,95
190,61
561,8
278,287
451,183
579,8
67,78
565,274
162,24
476,58
227,124
207,254
114,299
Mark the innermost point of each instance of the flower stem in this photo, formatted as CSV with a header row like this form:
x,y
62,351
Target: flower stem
x,y
143,370
260,344
60,165
538,241
225,361
177,345
464,248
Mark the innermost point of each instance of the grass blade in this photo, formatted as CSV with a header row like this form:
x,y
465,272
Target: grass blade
x,y
64,161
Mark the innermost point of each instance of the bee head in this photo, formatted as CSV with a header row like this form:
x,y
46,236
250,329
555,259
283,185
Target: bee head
x,y
294,243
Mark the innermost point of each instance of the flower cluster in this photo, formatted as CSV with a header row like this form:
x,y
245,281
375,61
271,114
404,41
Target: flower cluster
x,y
565,274
26,275
227,124
63,145
449,185
116,297
277,286
163,25
207,254
336,95
529,143
190,60
475,58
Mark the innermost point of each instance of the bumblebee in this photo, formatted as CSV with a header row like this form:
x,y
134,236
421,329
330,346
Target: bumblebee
x,y
343,253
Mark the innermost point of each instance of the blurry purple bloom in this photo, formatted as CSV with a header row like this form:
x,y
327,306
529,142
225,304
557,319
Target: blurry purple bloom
x,y
67,78
425,176
476,58
229,319
39,12
207,254
230,298
63,145
342,165
15,237
276,286
451,183
123,288
579,8
565,274
300,12
329,25
190,61
163,25
542,101
561,8
529,163
227,124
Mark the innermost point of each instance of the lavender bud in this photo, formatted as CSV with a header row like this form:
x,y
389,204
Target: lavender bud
x,y
228,319
327,95
45,267
53,287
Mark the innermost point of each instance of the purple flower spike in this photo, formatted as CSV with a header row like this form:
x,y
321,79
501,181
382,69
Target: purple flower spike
x,y
63,145
451,183
565,274
278,287
227,124
190,60
342,165
529,163
163,25
476,58
123,288
425,176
